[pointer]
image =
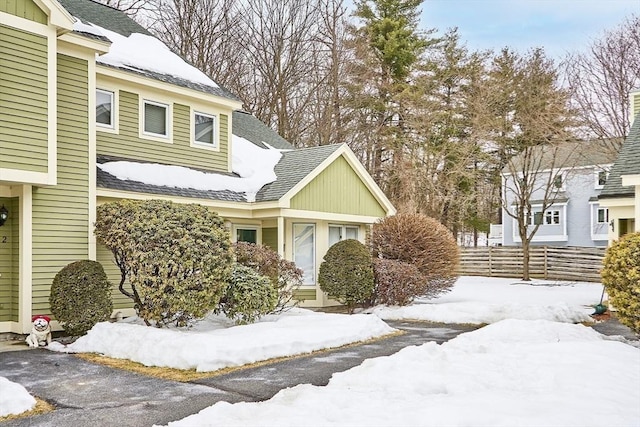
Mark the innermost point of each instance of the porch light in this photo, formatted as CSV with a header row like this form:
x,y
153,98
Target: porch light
x,y
611,224
4,214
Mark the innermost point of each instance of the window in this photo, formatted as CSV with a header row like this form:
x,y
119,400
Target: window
x,y
342,232
552,217
156,119
249,235
304,251
104,108
537,218
204,129
601,178
558,182
603,215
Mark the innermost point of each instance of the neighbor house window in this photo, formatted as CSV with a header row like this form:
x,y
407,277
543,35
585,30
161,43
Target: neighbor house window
x,y
558,182
304,251
603,215
342,232
552,217
535,219
104,108
156,119
601,178
204,129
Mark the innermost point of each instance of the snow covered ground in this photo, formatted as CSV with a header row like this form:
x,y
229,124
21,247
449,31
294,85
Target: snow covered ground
x,y
513,372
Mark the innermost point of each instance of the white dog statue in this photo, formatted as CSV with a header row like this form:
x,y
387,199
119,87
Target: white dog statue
x,y
40,332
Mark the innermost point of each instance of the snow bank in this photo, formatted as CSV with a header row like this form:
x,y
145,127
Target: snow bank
x,y
14,398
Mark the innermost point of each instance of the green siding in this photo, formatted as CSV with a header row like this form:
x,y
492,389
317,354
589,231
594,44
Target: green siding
x,y
8,263
270,238
305,294
23,100
61,212
105,257
15,267
24,9
636,104
127,143
338,189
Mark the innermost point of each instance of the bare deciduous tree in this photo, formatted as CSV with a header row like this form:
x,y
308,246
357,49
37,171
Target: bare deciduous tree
x,y
602,78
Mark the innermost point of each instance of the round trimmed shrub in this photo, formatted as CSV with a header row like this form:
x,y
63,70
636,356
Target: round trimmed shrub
x,y
423,242
248,296
346,274
285,277
396,282
176,257
81,296
621,278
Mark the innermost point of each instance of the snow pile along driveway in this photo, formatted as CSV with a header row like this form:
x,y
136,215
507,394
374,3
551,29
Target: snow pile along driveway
x,y
14,398
298,332
511,373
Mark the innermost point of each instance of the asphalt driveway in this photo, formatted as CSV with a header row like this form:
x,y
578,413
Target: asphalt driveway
x,y
87,394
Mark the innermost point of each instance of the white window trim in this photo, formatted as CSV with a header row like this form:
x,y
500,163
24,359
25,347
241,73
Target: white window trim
x,y
168,138
315,250
344,229
236,227
114,128
594,222
562,207
216,131
596,174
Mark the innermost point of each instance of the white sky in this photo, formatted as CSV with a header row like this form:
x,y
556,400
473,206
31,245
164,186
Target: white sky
x,y
557,25
513,372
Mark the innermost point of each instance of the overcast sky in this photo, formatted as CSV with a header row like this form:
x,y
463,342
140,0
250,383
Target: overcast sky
x,y
558,26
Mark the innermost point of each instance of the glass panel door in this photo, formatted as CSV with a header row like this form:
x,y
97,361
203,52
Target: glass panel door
x,y
304,251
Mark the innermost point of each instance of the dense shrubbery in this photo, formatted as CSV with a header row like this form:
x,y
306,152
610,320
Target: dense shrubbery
x,y
176,257
422,242
81,296
621,278
346,274
396,282
284,275
248,296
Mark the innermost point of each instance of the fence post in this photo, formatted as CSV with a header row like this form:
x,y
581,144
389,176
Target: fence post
x,y
546,274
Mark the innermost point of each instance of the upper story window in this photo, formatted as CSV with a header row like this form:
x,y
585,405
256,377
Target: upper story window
x,y
558,182
156,119
552,217
205,130
104,108
601,177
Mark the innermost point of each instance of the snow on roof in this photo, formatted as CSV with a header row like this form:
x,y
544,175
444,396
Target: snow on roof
x,y
254,165
143,52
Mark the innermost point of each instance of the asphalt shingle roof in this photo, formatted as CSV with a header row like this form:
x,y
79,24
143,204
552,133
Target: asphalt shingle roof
x,y
114,20
294,166
247,126
106,180
628,163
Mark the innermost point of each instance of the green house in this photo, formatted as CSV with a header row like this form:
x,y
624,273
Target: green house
x,y
93,108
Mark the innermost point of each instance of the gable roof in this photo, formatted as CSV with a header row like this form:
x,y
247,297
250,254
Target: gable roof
x,y
293,168
100,16
570,155
627,163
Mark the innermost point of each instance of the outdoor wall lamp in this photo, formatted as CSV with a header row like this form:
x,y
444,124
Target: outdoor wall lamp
x,y
611,224
4,214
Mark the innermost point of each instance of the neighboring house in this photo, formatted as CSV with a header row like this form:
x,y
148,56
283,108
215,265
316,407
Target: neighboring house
x,y
621,193
576,218
94,109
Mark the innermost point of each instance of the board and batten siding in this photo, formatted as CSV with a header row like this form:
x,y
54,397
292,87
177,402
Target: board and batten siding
x,y
26,9
23,100
127,143
338,189
61,212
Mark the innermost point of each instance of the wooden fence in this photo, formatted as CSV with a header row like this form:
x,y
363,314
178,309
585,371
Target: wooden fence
x,y
545,262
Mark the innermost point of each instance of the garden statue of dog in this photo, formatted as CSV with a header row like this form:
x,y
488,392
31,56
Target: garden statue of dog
x,y
40,332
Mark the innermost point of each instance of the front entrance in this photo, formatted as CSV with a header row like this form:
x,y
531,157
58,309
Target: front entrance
x,y
626,225
9,260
